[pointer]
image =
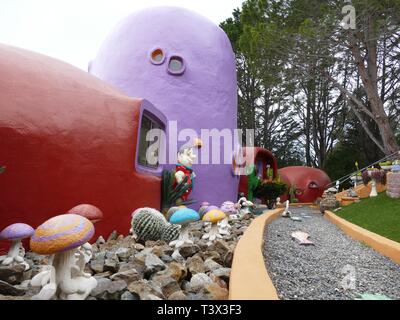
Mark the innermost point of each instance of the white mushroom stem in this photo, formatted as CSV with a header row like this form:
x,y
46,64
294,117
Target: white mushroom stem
x,y
60,276
14,249
46,279
223,226
184,237
77,288
83,256
13,253
212,234
63,263
184,234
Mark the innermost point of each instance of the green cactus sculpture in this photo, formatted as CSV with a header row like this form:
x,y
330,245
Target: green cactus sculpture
x,y
150,224
170,232
170,195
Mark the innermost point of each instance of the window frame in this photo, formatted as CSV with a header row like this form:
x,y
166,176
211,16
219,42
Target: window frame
x,y
154,115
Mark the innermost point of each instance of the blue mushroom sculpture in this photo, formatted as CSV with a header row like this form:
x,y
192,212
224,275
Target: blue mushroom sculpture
x,y
184,217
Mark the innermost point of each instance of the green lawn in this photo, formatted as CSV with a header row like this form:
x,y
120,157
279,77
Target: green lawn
x,y
380,215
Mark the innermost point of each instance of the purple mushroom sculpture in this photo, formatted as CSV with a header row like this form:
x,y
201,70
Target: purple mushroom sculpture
x,y
230,209
15,233
203,208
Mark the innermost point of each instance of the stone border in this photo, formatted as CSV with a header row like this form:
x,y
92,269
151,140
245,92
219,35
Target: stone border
x,y
384,246
249,278
297,205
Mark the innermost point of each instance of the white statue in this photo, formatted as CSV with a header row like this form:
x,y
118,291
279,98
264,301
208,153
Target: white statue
x,y
83,255
184,169
245,207
286,213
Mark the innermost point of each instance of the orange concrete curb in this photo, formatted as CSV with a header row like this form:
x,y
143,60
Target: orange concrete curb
x,y
249,278
384,246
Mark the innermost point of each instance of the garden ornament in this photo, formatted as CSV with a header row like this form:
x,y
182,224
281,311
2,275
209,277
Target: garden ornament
x,y
183,217
15,233
203,208
61,236
213,216
150,224
84,253
302,238
184,169
230,209
245,207
286,213
351,193
88,211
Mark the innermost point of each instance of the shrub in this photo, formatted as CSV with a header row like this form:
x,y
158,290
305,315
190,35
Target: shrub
x,y
378,175
269,191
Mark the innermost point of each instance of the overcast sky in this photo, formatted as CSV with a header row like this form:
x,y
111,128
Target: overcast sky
x,y
72,30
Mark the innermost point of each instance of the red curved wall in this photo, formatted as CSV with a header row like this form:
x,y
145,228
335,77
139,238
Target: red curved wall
x,y
67,138
263,155
301,177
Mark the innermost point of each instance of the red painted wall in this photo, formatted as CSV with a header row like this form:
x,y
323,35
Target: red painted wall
x,y
67,138
302,177
260,154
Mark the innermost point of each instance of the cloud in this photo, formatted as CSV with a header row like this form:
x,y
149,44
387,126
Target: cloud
x,y
73,30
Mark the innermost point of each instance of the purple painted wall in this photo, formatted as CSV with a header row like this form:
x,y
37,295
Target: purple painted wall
x,y
203,97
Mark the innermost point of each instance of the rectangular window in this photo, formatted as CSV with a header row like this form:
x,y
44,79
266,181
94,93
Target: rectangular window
x,y
149,157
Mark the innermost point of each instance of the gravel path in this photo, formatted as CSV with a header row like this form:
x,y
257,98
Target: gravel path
x,y
337,267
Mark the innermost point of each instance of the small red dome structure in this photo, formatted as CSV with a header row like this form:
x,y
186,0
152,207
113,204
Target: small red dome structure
x,y
309,183
264,160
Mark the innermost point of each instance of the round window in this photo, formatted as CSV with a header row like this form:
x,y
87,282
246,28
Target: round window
x,y
313,185
176,65
157,56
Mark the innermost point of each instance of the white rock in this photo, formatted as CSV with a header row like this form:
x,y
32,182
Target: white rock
x,y
199,281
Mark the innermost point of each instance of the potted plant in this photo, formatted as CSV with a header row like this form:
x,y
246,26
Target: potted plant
x,y
375,176
357,177
387,165
270,190
396,166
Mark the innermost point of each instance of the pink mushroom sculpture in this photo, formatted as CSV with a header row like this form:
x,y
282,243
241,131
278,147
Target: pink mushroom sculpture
x,y
88,211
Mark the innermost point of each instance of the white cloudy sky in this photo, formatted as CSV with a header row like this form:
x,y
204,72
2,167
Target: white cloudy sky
x,y
72,30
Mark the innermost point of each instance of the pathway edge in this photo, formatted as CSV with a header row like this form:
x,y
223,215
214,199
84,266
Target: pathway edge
x,y
249,278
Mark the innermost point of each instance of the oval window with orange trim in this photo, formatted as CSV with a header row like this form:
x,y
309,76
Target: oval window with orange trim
x,y
157,56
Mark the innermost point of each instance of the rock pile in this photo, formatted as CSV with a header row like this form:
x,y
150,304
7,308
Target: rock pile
x,y
329,201
128,270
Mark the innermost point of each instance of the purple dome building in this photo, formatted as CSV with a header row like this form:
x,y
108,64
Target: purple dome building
x,y
185,66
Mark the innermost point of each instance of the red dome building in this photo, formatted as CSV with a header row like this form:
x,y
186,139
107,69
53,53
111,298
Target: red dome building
x,y
264,160
67,138
309,183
